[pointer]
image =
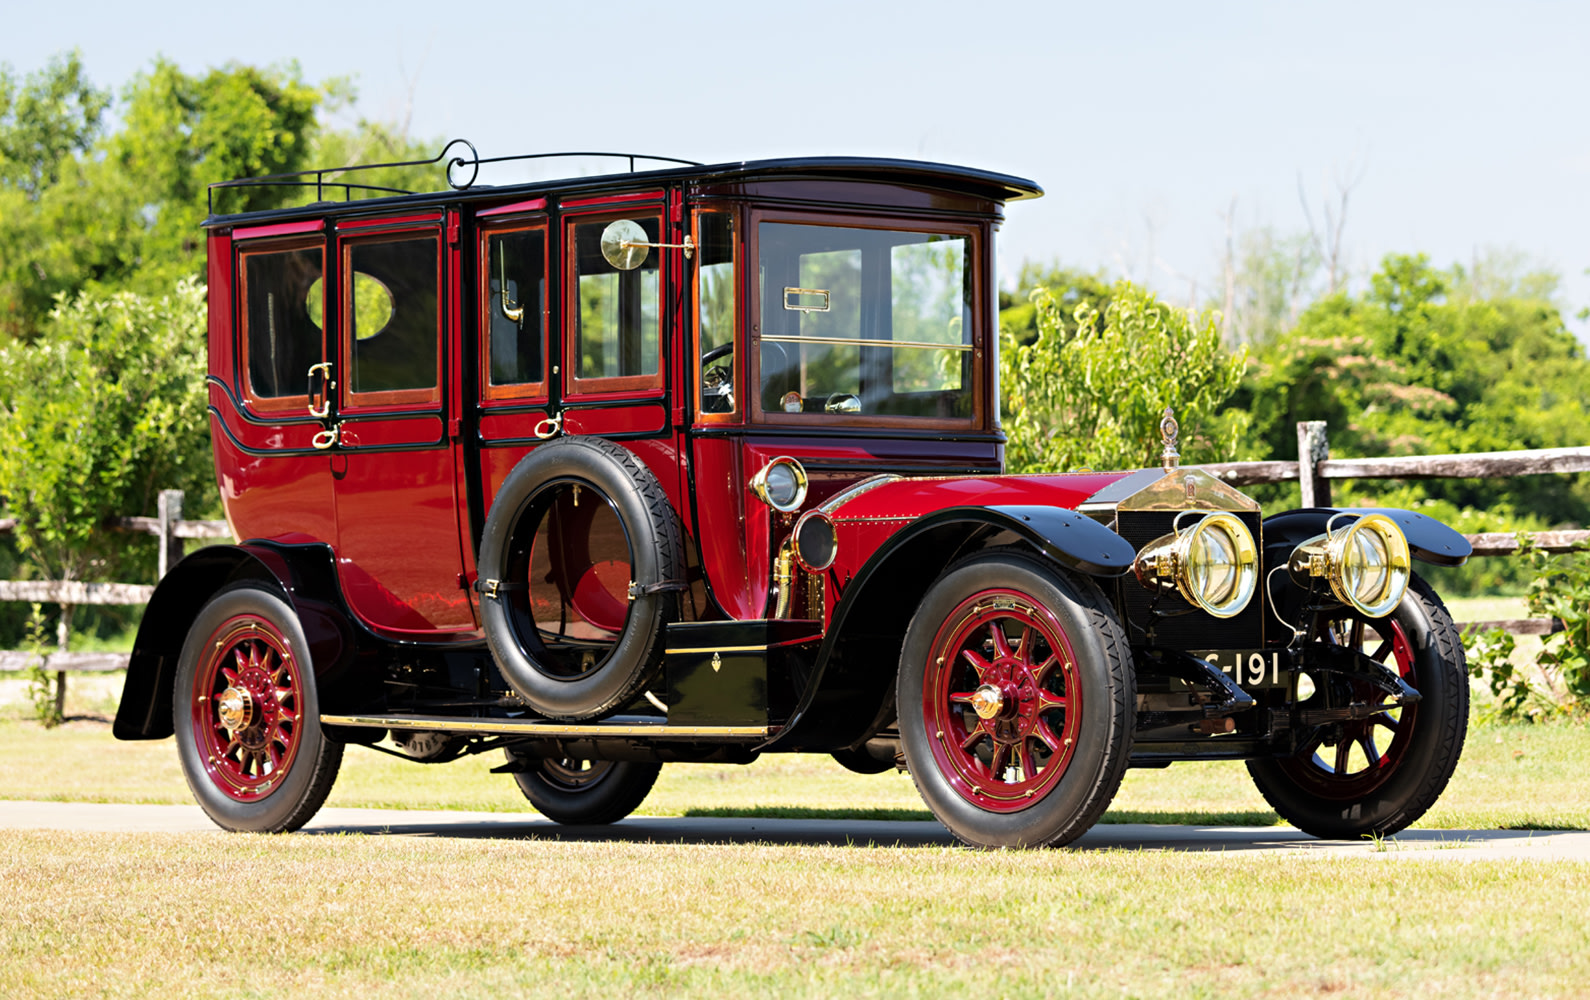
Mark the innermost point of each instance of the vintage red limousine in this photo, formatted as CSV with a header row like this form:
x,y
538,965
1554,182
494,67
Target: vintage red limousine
x,y
703,462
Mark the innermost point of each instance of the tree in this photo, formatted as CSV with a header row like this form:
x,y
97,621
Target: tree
x,y
100,412
1091,392
122,211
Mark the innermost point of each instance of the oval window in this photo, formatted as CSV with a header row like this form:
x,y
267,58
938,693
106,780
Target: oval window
x,y
372,305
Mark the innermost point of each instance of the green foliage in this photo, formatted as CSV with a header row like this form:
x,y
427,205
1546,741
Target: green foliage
x,y
1558,682
1091,392
121,212
104,409
1018,314
53,115
42,687
1432,362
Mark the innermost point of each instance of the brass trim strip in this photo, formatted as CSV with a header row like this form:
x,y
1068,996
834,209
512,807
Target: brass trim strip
x,y
718,649
864,342
844,496
535,727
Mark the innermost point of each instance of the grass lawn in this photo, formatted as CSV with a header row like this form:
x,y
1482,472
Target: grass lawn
x,y
247,916
250,916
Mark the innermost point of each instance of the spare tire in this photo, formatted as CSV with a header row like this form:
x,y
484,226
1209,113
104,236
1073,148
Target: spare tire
x,y
580,567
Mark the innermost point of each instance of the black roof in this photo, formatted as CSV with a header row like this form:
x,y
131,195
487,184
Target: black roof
x,y
961,180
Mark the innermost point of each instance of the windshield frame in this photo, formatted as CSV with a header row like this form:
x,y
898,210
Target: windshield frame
x,y
977,239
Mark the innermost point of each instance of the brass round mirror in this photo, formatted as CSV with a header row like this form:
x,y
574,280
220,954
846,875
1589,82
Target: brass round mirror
x,y
624,244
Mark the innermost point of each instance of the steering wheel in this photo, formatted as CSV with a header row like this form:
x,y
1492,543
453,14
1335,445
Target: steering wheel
x,y
717,380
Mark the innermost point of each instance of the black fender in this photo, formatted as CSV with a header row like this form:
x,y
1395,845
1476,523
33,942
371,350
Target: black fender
x,y
850,691
1428,539
302,575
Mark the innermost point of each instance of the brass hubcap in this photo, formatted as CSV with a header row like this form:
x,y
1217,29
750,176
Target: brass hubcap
x,y
987,701
235,708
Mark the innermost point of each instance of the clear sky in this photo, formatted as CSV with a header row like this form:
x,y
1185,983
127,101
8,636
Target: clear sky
x,y
1463,123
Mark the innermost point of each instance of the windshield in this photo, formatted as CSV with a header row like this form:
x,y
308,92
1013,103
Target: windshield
x,y
865,321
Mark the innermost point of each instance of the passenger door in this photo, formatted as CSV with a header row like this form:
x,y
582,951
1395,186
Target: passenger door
x,y
398,553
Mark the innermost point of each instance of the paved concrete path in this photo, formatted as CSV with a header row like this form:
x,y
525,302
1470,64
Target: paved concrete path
x,y
1438,845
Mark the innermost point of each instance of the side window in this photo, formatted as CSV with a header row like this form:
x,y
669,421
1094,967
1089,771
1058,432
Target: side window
x,y
715,311
515,275
283,311
391,320
614,341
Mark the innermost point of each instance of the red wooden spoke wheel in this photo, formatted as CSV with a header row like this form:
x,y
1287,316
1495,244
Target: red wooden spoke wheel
x,y
246,705
1375,776
251,745
1352,761
1002,698
1015,695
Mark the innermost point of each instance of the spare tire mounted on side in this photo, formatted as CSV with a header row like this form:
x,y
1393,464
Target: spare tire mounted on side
x,y
581,566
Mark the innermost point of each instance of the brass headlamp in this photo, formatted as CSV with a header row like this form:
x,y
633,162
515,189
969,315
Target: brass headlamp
x,y
1366,563
1213,563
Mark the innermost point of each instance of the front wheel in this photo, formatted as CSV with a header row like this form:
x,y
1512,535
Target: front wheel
x,y
1014,691
248,715
579,792
1375,776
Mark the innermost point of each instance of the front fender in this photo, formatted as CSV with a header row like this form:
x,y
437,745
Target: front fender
x,y
1428,539
851,687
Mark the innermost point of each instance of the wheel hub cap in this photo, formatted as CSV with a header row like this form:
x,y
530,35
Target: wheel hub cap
x,y
235,707
987,701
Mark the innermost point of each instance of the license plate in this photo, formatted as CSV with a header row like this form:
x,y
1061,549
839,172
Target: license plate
x,y
1250,668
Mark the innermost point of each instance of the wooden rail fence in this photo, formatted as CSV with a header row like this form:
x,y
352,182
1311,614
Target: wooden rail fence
x,y
1314,473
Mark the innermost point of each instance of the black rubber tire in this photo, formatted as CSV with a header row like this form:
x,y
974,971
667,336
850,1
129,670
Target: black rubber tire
x,y
656,557
294,798
1439,726
605,792
1103,730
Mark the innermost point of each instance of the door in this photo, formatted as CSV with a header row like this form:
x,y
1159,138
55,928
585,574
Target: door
x,y
393,465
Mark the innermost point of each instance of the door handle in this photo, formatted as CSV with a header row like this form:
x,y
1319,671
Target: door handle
x,y
322,411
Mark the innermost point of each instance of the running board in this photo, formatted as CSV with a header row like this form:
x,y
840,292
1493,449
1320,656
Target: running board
x,y
622,726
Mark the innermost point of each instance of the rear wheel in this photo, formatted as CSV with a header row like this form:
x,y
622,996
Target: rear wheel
x,y
1014,693
248,715
1375,776
584,792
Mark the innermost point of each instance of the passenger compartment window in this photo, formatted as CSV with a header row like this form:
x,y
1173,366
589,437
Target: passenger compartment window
x,y
282,317
515,311
392,319
615,322
715,312
867,322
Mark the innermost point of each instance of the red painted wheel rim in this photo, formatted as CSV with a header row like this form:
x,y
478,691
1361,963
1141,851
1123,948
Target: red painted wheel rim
x,y
247,660
1366,752
1001,645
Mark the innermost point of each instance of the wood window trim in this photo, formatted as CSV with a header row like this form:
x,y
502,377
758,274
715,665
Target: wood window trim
x,y
615,386
519,391
273,405
973,232
358,402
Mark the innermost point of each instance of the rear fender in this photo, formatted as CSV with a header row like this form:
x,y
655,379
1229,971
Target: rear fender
x,y
301,575
851,690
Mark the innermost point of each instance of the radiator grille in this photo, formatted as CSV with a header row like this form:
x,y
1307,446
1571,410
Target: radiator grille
x,y
1195,629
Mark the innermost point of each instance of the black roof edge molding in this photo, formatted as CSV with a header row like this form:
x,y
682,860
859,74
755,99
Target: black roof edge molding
x,y
461,172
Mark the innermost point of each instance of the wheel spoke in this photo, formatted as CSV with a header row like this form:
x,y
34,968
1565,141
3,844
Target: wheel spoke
x,y
976,662
1341,756
1370,753
972,739
1381,651
1048,699
996,763
1024,758
1046,732
996,631
1023,651
1388,722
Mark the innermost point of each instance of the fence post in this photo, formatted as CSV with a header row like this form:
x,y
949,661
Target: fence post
x,y
1312,449
169,511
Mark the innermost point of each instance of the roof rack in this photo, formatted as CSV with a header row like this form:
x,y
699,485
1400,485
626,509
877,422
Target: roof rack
x,y
299,178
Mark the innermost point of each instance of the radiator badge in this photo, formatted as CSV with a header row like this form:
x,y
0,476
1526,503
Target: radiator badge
x,y
1170,457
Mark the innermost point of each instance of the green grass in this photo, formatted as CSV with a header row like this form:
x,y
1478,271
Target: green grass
x,y
1511,777
350,916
